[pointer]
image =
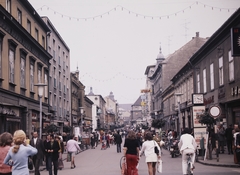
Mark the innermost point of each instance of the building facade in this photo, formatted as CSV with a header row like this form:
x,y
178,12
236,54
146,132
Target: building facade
x,y
216,72
59,78
24,62
100,106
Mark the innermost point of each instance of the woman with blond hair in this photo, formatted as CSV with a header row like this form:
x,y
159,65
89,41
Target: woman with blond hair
x,y
18,154
131,153
5,144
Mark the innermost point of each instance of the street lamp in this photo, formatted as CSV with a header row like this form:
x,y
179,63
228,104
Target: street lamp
x,y
81,124
178,101
40,94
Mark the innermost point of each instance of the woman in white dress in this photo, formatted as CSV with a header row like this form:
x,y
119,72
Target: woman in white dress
x,y
148,148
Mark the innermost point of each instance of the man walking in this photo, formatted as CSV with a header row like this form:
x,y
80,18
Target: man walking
x,y
37,158
221,138
52,149
118,141
229,137
72,148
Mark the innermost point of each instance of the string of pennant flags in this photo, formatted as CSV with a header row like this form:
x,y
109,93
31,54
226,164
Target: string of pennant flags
x,y
111,78
121,8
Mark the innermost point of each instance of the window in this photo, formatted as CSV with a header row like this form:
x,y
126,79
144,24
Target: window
x,y
39,74
231,66
29,26
211,76
45,82
36,34
0,57
23,71
204,81
60,88
198,83
11,65
43,42
8,6
19,16
220,62
54,54
31,76
54,80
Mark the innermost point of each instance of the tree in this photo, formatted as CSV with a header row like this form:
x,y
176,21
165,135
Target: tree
x,y
158,123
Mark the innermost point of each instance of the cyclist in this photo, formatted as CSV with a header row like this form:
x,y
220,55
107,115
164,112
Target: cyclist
x,y
187,145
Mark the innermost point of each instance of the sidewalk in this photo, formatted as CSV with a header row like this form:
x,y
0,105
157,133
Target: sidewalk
x,y
225,160
43,167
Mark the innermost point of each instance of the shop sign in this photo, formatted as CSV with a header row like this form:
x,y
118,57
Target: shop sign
x,y
7,111
34,116
235,91
197,111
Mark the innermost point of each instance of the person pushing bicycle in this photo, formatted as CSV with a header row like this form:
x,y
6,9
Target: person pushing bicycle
x,y
187,146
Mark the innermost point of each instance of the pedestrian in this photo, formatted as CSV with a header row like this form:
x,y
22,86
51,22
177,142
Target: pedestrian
x,y
96,136
72,148
187,145
131,153
238,148
60,152
45,151
108,140
52,149
92,139
5,144
221,137
37,158
118,141
18,154
235,133
148,148
229,138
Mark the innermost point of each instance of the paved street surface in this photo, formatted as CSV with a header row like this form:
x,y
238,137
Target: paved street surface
x,y
106,162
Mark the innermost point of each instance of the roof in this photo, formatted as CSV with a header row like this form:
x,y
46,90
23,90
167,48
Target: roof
x,y
138,102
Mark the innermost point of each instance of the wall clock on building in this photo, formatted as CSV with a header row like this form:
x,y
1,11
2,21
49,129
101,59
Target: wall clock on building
x,y
197,99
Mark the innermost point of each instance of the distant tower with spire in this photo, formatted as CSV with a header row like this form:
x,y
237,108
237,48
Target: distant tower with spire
x,y
160,56
91,91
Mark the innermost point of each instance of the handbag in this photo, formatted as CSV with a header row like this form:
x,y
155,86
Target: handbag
x,y
69,157
60,164
155,148
159,166
30,163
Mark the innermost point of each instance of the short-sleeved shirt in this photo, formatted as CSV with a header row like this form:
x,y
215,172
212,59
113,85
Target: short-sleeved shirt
x,y
131,145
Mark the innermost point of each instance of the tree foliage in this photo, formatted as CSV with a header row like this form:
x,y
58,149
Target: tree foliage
x,y
206,119
158,123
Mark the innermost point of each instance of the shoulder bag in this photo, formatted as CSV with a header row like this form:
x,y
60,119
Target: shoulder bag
x,y
30,163
155,148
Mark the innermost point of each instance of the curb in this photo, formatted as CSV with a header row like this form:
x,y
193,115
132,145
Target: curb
x,y
222,165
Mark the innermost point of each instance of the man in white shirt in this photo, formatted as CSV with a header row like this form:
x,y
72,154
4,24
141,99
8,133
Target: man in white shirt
x,y
187,145
72,147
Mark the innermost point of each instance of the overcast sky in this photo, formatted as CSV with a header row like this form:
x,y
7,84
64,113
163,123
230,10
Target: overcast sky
x,y
113,41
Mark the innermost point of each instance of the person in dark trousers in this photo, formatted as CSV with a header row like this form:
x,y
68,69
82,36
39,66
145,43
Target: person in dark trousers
x,y
45,145
37,158
221,138
118,141
229,137
52,149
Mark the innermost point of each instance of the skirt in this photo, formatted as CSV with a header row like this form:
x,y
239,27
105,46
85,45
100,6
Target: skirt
x,y
152,158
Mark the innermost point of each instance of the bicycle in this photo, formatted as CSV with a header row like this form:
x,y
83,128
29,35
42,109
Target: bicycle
x,y
190,165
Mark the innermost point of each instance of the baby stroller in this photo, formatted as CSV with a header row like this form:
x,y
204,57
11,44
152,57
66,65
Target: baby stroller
x,y
104,146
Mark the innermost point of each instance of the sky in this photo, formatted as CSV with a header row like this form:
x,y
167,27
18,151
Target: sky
x,y
113,41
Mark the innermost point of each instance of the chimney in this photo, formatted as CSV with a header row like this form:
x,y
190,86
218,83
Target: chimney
x,y
197,34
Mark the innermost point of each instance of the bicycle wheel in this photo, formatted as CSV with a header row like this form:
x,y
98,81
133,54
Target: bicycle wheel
x,y
189,168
